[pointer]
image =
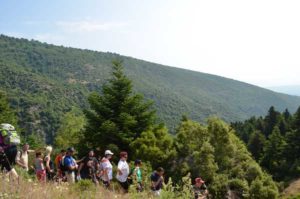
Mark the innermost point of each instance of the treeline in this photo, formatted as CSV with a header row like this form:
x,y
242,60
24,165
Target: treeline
x,y
43,82
274,142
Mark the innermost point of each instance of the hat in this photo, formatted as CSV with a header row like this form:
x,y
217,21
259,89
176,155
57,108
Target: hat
x,y
199,180
71,149
108,152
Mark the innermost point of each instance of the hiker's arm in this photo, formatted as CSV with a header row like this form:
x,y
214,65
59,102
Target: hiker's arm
x,y
20,164
79,169
30,151
155,184
120,169
105,173
18,161
48,164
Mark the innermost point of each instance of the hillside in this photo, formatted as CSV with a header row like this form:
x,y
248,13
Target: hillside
x,y
44,81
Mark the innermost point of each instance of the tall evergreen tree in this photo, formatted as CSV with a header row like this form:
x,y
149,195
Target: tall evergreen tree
x,y
6,114
296,120
118,115
274,159
271,120
256,144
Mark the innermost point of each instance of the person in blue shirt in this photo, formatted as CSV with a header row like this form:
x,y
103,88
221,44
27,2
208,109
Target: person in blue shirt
x,y
70,165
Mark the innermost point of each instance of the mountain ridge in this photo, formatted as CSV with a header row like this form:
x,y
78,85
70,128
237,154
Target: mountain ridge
x,y
44,81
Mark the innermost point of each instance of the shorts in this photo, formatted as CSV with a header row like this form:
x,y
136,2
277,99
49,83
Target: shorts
x,y
41,175
124,185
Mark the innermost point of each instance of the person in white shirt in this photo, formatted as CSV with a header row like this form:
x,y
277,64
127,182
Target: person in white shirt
x,y
22,157
106,167
123,171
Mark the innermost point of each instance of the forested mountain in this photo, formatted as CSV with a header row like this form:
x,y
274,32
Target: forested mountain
x,y
44,81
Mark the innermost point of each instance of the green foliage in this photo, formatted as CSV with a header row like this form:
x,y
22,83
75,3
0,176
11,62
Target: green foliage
x,y
273,141
263,188
117,116
84,185
70,130
43,82
6,113
219,157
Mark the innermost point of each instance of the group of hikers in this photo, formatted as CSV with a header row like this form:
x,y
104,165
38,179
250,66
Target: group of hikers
x,y
95,168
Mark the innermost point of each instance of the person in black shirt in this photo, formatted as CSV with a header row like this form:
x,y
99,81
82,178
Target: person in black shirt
x,y
88,167
157,180
5,165
200,189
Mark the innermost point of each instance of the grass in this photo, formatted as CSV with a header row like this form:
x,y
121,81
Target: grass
x,y
29,188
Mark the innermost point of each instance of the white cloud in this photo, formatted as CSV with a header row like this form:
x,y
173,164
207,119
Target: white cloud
x,y
89,26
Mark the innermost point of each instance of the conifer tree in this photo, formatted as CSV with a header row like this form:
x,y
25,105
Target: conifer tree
x,y
118,116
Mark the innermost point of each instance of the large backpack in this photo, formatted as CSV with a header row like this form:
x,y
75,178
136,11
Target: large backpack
x,y
9,134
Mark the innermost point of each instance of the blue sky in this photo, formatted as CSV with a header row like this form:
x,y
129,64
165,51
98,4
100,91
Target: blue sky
x,y
253,41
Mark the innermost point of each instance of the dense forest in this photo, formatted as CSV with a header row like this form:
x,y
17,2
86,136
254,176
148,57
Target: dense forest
x,y
120,119
44,83
273,141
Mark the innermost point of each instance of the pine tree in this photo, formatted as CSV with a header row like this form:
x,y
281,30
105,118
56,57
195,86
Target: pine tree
x,y
256,144
117,116
6,114
296,120
271,120
273,159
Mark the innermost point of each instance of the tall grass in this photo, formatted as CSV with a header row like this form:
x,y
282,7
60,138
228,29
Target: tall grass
x,y
29,188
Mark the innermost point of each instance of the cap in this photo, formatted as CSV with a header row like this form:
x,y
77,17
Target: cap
x,y
108,152
199,180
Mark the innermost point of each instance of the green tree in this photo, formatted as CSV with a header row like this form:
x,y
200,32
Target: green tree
x,y
118,116
155,146
70,130
7,115
272,119
296,120
256,144
274,159
196,155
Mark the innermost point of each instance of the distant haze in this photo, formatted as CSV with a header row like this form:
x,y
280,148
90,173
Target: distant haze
x,y
291,89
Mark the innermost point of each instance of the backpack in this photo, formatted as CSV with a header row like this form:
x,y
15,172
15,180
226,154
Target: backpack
x,y
62,166
9,134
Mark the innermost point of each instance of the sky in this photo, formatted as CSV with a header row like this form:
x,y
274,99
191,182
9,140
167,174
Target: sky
x,y
255,41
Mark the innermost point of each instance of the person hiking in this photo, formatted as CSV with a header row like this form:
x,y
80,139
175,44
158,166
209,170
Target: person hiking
x,y
70,165
22,157
60,174
107,168
7,167
39,167
49,163
136,175
58,158
157,181
200,189
88,167
9,139
123,171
